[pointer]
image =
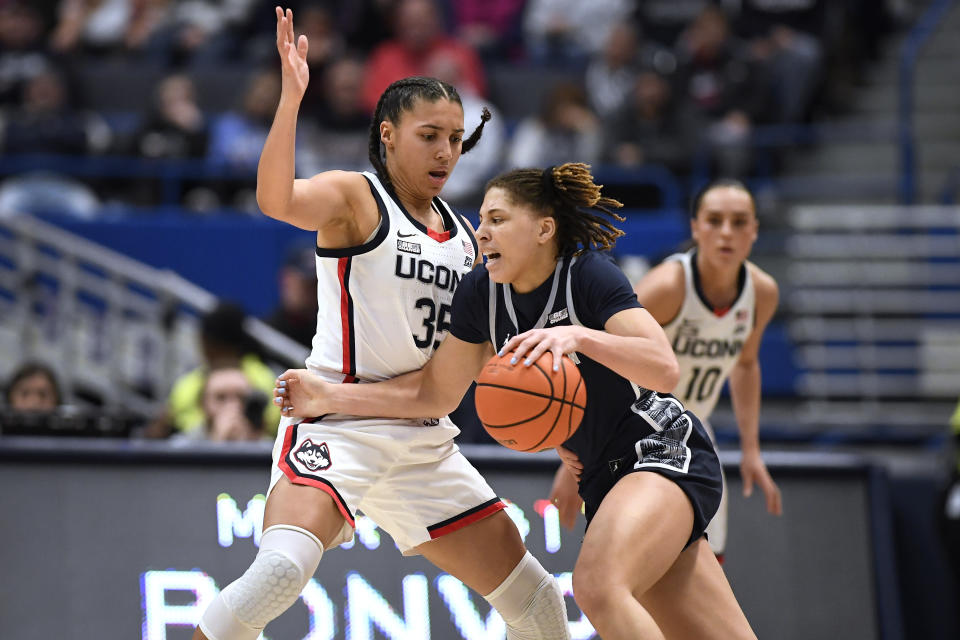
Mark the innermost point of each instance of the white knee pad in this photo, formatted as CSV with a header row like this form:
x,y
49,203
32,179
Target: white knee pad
x,y
531,603
287,559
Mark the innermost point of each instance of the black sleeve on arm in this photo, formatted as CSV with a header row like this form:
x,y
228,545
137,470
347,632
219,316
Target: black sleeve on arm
x,y
600,289
470,321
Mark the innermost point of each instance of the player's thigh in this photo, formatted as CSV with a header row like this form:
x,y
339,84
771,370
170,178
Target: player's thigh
x,y
637,533
694,600
306,507
481,554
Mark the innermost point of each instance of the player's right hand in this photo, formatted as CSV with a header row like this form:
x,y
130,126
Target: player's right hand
x,y
293,56
301,394
564,496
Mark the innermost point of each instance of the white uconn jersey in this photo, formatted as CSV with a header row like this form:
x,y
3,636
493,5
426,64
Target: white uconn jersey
x,y
384,306
706,343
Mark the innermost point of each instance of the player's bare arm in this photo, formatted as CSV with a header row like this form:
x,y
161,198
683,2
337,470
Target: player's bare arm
x,y
336,204
632,344
661,291
745,395
433,391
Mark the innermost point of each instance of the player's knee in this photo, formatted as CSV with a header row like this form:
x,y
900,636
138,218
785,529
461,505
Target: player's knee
x,y
531,603
591,591
287,559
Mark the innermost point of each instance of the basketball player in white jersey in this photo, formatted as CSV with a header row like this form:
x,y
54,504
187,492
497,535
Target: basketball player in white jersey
x,y
714,305
390,255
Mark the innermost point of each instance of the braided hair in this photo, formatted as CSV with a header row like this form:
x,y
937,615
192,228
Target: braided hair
x,y
400,97
568,194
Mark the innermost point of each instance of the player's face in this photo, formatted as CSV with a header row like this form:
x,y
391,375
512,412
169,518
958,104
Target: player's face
x,y
725,227
511,236
424,146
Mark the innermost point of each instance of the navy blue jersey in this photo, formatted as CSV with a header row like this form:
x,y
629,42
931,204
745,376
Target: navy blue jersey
x,y
586,290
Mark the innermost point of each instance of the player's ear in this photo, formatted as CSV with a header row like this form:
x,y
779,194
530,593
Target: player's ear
x,y
387,134
547,229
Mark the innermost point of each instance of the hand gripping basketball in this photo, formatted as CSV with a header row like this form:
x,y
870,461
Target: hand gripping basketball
x,y
530,408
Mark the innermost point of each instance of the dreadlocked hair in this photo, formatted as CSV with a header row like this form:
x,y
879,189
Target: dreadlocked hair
x,y
569,194
400,97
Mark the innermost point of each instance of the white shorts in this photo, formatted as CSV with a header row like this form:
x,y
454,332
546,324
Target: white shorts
x,y
411,479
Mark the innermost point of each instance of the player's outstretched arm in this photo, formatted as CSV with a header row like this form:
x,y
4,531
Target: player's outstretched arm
x,y
430,392
315,203
745,396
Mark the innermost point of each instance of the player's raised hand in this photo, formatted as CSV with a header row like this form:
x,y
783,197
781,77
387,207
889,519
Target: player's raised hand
x,y
302,394
293,56
753,470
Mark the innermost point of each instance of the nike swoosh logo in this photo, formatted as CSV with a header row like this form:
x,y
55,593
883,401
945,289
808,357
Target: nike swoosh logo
x,y
405,235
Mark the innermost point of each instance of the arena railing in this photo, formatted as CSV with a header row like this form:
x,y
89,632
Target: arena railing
x,y
113,327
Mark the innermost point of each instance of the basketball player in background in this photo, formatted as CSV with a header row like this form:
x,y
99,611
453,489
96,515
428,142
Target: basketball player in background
x,y
389,256
650,476
713,305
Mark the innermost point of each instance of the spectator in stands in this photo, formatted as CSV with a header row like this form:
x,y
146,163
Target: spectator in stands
x,y
236,137
491,27
611,75
22,54
336,129
786,41
232,408
565,130
326,47
176,127
724,85
464,187
418,40
296,315
224,345
32,387
664,20
203,32
107,26
571,31
45,121
651,128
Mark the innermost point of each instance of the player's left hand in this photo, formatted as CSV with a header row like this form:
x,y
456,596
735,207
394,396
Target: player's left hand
x,y
530,345
753,470
302,394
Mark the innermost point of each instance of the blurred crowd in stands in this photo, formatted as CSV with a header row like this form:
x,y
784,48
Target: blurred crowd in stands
x,y
623,83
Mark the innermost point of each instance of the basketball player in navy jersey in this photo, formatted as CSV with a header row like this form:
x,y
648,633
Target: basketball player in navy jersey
x,y
650,476
714,306
390,255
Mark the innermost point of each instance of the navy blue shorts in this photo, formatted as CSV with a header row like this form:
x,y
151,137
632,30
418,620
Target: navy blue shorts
x,y
682,452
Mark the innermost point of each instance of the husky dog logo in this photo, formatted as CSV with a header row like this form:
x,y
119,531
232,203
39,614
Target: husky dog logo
x,y
315,457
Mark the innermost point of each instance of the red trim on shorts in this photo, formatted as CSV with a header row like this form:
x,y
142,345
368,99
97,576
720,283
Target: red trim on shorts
x,y
343,270
442,236
719,557
466,518
310,481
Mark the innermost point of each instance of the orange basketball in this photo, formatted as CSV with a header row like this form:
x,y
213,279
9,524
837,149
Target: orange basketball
x,y
530,408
